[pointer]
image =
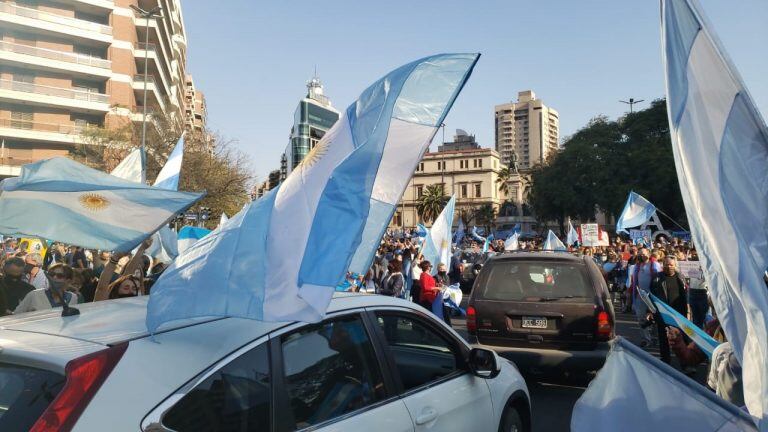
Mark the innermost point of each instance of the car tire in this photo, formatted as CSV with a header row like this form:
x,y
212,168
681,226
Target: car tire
x,y
511,421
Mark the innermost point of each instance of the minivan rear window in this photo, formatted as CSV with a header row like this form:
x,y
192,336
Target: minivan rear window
x,y
24,394
537,281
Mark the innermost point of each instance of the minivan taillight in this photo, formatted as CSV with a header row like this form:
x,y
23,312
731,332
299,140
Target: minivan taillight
x,y
84,376
471,320
604,329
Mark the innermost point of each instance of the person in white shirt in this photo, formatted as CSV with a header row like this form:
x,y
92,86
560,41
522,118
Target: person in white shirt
x,y
60,278
33,272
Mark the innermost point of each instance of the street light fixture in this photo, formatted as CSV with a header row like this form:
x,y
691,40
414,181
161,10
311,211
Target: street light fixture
x,y
632,103
146,14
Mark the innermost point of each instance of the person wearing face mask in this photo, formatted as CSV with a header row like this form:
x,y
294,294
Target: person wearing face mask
x,y
33,273
642,279
669,286
125,286
13,285
60,277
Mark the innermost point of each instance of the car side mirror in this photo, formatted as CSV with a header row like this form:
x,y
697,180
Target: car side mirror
x,y
484,363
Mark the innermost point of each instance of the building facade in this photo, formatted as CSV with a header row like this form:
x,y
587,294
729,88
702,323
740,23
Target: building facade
x,y
69,64
195,111
470,174
526,131
313,117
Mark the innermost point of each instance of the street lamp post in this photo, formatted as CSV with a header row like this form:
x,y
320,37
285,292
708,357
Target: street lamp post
x,y
632,103
146,14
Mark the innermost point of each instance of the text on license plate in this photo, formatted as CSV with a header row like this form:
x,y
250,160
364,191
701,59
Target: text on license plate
x,y
534,322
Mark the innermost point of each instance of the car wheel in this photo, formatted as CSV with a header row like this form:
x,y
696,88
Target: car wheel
x,y
511,421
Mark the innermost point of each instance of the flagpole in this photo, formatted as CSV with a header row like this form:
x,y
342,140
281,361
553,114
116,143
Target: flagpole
x,y
673,221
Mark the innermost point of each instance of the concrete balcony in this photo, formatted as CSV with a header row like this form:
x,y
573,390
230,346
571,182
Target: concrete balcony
x,y
150,52
41,20
102,4
152,91
25,130
43,58
42,95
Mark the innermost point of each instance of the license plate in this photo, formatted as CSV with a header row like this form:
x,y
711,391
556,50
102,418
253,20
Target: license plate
x,y
534,322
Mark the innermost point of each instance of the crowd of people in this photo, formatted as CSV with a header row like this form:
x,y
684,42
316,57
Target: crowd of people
x,y
33,281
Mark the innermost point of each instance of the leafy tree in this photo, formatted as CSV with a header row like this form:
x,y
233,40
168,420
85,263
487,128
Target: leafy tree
x,y
503,179
431,203
602,162
486,215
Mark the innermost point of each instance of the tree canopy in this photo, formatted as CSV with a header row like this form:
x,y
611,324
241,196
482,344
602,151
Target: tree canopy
x,y
602,162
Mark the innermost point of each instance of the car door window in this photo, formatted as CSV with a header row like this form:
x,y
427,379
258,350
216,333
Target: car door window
x,y
234,398
421,354
330,370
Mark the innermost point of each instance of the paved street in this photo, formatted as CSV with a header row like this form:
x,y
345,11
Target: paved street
x,y
553,397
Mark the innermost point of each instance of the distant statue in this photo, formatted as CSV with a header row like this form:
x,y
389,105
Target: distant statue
x,y
514,162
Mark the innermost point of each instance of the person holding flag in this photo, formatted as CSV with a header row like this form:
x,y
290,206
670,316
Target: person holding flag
x,y
669,286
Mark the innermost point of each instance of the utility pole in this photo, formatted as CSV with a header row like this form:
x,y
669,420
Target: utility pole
x,y
632,103
146,14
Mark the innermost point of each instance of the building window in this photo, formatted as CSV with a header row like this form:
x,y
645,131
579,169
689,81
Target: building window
x,y
463,191
479,163
21,119
397,220
478,190
419,191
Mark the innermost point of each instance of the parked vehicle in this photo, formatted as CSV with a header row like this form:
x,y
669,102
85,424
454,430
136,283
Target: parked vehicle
x,y
375,363
543,310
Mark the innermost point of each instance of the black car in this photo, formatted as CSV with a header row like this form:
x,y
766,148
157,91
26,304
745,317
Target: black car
x,y
542,310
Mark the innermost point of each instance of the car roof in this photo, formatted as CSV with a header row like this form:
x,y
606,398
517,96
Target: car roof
x,y
539,255
113,321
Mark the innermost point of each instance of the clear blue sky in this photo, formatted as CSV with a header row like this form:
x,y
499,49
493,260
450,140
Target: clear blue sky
x,y
252,59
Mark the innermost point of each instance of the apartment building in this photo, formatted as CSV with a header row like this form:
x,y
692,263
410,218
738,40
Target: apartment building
x,y
469,174
527,131
66,65
195,112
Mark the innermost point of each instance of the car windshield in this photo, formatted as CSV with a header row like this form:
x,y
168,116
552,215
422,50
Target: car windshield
x,y
537,281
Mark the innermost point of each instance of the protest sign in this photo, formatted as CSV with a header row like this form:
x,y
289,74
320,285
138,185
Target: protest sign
x,y
590,235
640,236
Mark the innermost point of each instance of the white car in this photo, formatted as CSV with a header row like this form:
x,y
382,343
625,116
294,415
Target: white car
x,y
374,364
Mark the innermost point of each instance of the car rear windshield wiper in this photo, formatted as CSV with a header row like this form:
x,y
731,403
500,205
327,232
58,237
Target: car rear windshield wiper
x,y
551,299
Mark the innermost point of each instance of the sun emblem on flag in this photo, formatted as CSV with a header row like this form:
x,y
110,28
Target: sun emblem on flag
x,y
318,151
444,244
688,331
93,201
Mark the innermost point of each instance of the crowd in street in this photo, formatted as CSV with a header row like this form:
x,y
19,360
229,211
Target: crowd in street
x,y
33,281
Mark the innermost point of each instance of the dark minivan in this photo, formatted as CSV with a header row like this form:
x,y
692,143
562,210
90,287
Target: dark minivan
x,y
542,310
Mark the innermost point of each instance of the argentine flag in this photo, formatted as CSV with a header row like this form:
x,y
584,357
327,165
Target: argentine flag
x,y
637,211
573,235
552,243
720,145
458,237
511,243
189,235
168,178
130,167
636,392
437,249
62,200
282,257
673,318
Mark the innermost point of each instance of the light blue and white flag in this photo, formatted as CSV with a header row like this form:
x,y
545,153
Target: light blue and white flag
x,y
437,249
189,235
487,243
62,200
130,167
552,243
673,318
458,237
169,175
223,219
164,247
636,392
573,235
720,145
282,258
421,230
476,235
637,211
511,243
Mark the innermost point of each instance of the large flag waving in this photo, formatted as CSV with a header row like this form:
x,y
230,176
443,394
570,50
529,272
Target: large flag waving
x,y
636,392
168,178
438,246
637,211
130,167
282,258
552,243
62,200
720,145
458,237
512,243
